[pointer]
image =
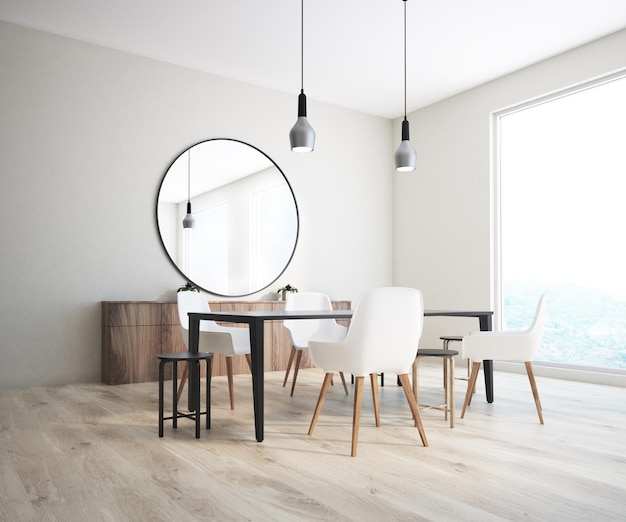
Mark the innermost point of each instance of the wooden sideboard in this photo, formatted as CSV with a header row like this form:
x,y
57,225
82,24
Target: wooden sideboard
x,y
134,332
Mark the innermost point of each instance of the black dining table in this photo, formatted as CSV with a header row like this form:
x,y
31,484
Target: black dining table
x,y
256,323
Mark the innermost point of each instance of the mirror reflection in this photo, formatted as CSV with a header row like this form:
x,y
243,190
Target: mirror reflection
x,y
245,213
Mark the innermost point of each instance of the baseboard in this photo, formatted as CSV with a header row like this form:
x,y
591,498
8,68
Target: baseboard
x,y
591,375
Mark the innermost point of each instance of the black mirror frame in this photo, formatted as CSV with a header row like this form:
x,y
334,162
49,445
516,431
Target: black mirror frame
x,y
295,202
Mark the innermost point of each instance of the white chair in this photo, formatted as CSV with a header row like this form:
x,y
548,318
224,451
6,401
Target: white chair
x,y
383,336
305,330
505,346
229,341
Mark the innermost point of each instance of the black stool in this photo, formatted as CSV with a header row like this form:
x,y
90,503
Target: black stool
x,y
190,358
448,384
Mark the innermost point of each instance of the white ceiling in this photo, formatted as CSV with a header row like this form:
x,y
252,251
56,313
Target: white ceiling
x,y
352,48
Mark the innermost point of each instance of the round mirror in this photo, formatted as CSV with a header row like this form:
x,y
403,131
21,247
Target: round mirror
x,y
245,217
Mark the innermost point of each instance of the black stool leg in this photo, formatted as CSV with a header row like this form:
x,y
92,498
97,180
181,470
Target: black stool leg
x,y
161,378
208,393
198,403
174,385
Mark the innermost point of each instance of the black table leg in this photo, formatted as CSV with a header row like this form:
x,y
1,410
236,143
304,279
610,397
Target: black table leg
x,y
488,371
193,382
258,363
487,325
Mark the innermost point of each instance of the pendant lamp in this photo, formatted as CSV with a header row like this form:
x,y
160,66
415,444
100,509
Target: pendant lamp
x,y
302,135
189,221
405,157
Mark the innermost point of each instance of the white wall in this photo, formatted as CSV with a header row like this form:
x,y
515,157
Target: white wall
x,y
441,212
86,134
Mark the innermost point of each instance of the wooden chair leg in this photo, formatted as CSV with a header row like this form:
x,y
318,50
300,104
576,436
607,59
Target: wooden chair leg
x,y
470,386
450,389
416,380
533,386
374,381
183,380
291,356
356,415
406,386
231,387
320,401
295,372
474,385
343,380
445,372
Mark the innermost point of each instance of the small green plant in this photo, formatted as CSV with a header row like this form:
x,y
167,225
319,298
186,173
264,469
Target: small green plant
x,y
282,292
189,287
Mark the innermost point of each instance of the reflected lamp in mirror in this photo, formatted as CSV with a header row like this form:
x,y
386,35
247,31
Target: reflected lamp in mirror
x,y
189,221
246,217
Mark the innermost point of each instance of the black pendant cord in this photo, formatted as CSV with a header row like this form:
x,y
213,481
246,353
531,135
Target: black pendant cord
x,y
405,59
188,178
302,46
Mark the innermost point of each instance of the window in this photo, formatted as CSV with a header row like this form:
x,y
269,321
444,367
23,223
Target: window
x,y
561,213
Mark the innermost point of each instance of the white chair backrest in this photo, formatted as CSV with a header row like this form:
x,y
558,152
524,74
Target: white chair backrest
x,y
385,330
190,302
536,328
302,331
214,338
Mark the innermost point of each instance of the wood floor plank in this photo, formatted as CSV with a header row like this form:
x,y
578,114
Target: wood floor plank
x,y
15,503
92,452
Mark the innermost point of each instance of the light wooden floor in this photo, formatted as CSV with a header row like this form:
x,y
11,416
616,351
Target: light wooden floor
x,y
91,452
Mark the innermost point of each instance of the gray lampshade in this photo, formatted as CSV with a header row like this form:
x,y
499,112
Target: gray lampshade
x,y
302,135
189,221
405,157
